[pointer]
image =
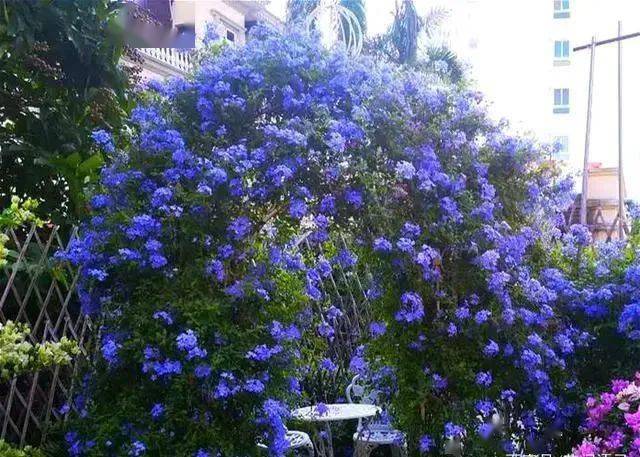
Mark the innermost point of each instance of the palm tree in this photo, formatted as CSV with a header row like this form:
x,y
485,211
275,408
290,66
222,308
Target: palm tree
x,y
299,10
401,43
405,31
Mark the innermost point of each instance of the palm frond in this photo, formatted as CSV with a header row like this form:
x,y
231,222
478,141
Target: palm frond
x,y
444,61
433,20
358,9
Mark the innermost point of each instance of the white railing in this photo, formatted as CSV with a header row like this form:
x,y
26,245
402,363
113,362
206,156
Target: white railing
x,y
172,57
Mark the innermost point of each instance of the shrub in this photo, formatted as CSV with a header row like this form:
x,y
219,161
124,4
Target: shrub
x,y
191,258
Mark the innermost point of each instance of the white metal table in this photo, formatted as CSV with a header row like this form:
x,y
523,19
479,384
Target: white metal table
x,y
322,415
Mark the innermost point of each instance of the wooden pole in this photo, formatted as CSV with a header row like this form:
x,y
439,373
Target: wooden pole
x,y
621,218
585,166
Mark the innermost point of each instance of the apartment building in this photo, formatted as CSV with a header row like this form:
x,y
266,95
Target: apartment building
x,y
520,54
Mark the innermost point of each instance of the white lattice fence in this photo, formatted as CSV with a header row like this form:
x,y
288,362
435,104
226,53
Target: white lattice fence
x,y
38,290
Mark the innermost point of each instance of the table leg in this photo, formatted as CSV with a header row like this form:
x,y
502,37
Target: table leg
x,y
323,440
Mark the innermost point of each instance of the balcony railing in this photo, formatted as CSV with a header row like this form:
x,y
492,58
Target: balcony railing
x,y
176,58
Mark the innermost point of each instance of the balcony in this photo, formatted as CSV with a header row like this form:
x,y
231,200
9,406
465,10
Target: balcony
x,y
166,61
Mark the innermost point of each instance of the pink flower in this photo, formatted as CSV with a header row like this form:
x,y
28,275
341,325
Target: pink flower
x,y
586,449
633,421
618,385
598,411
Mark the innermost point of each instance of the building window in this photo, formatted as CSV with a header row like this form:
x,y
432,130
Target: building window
x,y
231,36
561,100
561,9
561,148
561,50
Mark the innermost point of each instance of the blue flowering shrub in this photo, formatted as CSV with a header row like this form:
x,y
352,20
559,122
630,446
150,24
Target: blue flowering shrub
x,y
496,331
212,314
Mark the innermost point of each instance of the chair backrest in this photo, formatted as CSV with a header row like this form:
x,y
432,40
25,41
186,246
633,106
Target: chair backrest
x,y
357,392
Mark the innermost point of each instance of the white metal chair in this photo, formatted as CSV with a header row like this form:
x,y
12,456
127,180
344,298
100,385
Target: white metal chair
x,y
373,433
298,441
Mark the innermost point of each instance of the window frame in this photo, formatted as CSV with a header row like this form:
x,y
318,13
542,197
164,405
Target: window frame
x,y
564,48
561,9
561,100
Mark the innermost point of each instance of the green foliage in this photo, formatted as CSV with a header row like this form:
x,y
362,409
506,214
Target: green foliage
x,y
18,213
7,450
403,43
60,79
18,355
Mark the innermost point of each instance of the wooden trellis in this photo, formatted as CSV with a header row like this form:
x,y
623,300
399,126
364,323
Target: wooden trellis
x,y
38,290
348,291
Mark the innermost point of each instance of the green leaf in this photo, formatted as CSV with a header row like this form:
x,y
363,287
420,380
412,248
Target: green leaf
x,y
73,160
91,165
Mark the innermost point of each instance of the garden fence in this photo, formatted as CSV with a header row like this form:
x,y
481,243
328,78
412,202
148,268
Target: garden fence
x,y
38,291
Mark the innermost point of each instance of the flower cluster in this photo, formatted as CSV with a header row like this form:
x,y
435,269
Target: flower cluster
x,y
613,421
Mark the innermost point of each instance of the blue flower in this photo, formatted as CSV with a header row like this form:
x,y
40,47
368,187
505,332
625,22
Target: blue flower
x,y
485,430
382,245
354,198
482,316
426,443
405,170
157,410
452,430
629,321
110,349
137,448
328,365
489,260
202,371
103,139
377,329
187,340
254,386
297,208
164,316
412,309
262,352
484,379
239,228
328,204
405,244
439,382
484,407
491,349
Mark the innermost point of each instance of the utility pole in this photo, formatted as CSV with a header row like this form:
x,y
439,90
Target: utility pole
x,y
621,217
587,138
585,168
